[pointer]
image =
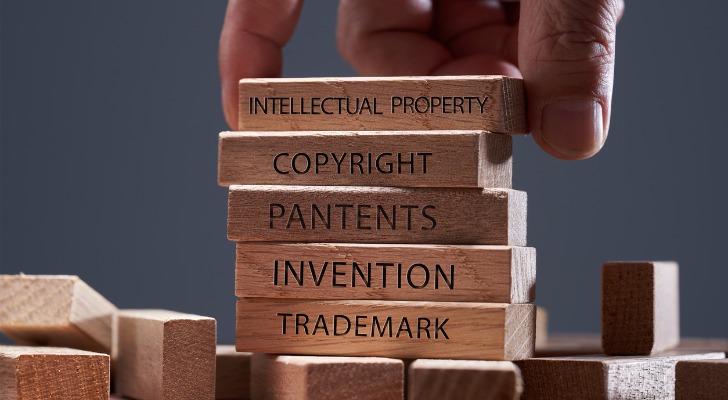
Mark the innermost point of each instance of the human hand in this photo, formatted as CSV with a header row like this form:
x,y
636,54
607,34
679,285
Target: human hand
x,y
563,49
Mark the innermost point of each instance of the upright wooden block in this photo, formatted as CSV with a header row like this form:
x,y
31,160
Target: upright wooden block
x,y
490,103
464,380
376,215
392,158
640,307
604,377
400,329
55,310
42,373
165,355
497,274
701,380
324,378
232,374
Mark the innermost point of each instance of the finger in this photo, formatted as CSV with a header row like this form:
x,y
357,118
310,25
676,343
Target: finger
x,y
389,37
251,44
566,55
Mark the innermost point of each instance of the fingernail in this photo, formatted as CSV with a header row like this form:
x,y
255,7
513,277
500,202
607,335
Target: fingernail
x,y
573,127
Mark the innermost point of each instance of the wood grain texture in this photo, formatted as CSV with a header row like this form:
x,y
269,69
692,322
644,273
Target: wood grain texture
x,y
232,374
701,380
498,274
326,378
165,355
491,103
401,329
604,377
640,307
376,215
464,380
42,373
391,158
55,310
579,344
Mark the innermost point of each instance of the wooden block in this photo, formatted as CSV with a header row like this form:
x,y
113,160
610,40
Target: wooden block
x,y
376,215
232,374
401,329
579,344
604,377
323,378
497,274
464,380
490,103
165,355
640,307
55,310
392,158
42,373
542,327
701,380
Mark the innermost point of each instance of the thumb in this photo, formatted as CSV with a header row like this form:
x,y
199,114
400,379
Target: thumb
x,y
566,55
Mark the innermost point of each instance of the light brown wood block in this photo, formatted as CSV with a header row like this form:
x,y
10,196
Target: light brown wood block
x,y
497,274
491,103
165,355
542,327
376,215
464,380
640,307
401,329
392,158
232,374
604,377
326,378
701,380
42,373
55,310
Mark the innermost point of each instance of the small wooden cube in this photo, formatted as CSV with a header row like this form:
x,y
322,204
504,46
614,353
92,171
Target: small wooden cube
x,y
464,380
701,380
324,378
42,373
232,374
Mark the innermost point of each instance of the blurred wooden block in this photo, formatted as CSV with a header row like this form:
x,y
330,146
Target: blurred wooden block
x,y
376,215
491,103
640,307
701,380
400,329
55,310
464,380
579,344
497,274
604,377
165,355
42,373
542,327
232,374
323,378
392,158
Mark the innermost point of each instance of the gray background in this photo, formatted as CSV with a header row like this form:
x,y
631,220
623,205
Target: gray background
x,y
110,115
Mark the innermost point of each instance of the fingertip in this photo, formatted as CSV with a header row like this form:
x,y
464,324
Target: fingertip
x,y
230,106
571,128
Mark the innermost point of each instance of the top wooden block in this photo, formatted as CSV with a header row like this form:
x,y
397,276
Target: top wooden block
x,y
491,103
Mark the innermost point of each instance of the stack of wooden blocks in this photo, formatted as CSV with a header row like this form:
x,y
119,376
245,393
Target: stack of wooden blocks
x,y
375,217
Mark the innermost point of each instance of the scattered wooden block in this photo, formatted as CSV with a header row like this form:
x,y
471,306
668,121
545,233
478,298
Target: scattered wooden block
x,y
542,327
323,378
392,158
604,377
497,274
464,380
42,373
232,374
55,310
640,307
701,380
165,355
401,329
490,103
376,215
